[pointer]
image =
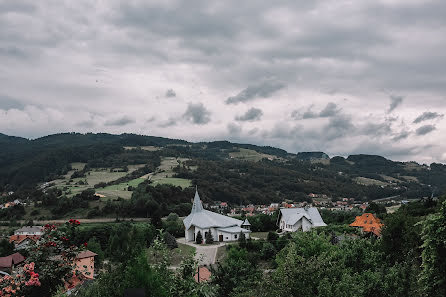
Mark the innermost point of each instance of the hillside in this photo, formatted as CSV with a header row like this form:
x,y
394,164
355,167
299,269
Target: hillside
x,y
143,174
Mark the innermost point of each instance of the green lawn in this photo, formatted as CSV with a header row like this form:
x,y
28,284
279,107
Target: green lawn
x,y
261,235
181,182
123,186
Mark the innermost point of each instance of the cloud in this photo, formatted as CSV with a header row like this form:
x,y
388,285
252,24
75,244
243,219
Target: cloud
x,y
395,101
263,90
234,129
338,126
197,114
7,103
427,116
122,121
330,110
169,123
400,136
170,93
426,129
252,115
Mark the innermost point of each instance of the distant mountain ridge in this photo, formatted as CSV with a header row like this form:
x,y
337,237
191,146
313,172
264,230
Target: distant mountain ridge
x,y
238,168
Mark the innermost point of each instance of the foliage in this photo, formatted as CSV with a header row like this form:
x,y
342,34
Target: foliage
x,y
6,248
170,240
208,237
237,273
174,225
433,274
199,238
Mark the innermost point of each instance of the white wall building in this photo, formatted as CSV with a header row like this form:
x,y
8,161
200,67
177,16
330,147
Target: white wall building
x,y
299,219
27,230
221,227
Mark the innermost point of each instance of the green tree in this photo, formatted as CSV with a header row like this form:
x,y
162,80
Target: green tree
x,y
6,248
209,239
94,246
433,274
199,238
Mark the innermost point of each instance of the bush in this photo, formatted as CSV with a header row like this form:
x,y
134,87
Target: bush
x,y
170,240
209,239
199,239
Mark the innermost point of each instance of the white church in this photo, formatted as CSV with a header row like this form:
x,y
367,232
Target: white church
x,y
221,227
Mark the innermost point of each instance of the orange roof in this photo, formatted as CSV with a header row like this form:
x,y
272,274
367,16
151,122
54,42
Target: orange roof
x,y
205,274
19,238
369,223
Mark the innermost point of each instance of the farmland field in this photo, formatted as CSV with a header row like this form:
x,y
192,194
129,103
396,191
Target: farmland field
x,y
179,182
250,155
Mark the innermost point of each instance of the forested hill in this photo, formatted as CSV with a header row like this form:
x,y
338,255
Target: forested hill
x,y
237,173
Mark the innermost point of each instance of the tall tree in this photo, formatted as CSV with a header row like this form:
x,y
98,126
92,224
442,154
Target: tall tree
x,y
433,274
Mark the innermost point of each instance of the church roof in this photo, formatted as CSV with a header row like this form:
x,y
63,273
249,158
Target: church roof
x,y
234,229
246,223
206,219
292,215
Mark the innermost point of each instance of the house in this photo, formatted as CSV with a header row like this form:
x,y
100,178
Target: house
x,y
85,263
30,230
83,270
299,219
368,224
222,228
8,264
23,241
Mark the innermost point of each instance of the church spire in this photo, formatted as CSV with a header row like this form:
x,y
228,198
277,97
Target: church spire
x,y
196,206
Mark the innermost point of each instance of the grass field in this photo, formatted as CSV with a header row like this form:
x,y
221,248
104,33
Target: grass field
x,y
164,173
249,155
369,181
178,182
261,235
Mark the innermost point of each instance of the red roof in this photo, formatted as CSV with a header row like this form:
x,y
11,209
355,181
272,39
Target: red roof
x,y
14,259
369,223
205,274
85,254
19,238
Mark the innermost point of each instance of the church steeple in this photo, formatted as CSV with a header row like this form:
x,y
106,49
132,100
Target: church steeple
x,y
197,206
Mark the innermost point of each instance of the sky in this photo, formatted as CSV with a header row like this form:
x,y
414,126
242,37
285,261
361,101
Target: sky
x,y
342,77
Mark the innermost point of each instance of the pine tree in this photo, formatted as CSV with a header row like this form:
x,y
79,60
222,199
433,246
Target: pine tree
x,y
242,240
199,239
209,239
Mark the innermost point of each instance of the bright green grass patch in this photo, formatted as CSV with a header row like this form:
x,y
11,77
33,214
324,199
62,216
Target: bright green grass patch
x,y
180,253
178,182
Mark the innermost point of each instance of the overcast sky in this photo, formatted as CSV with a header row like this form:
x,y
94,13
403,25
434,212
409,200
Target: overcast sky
x,y
343,77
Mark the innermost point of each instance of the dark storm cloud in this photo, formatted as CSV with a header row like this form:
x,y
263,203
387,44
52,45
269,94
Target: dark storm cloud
x,y
251,115
170,93
122,121
426,129
395,101
263,90
330,110
196,113
427,116
7,102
